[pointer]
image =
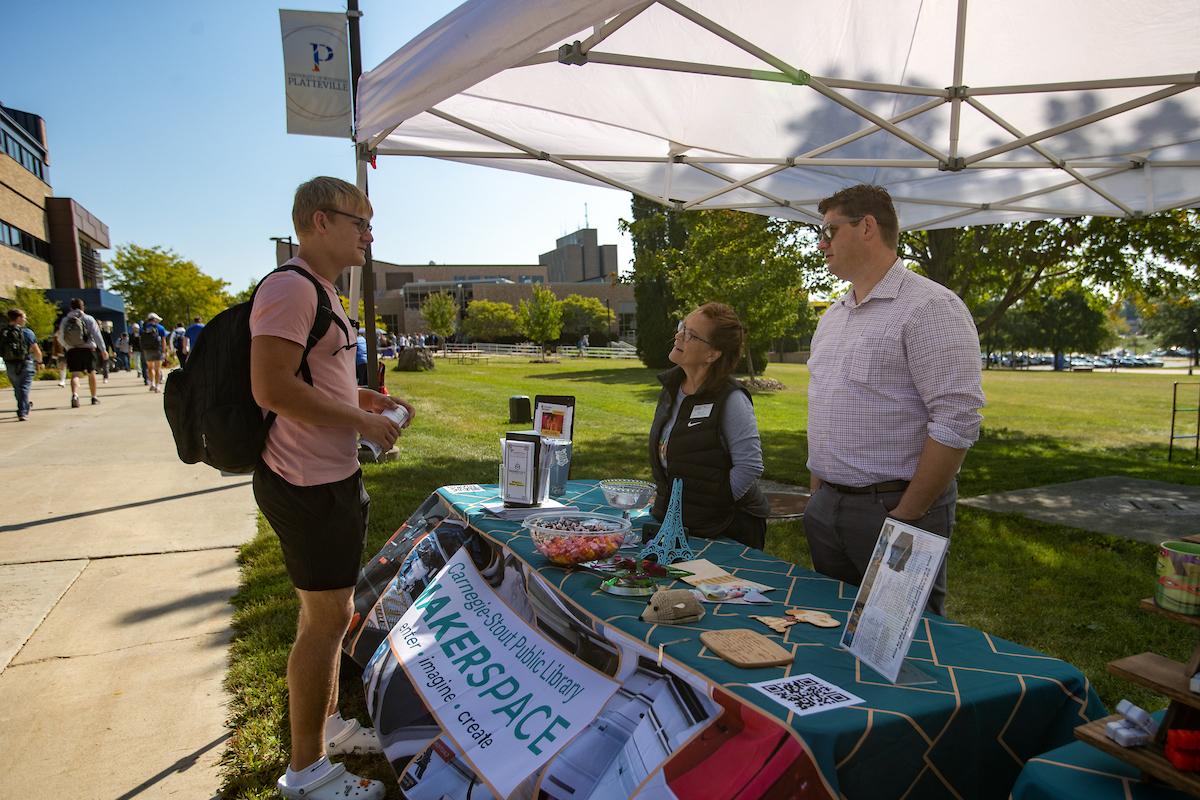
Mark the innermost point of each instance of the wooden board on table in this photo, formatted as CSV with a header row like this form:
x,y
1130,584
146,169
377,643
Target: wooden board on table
x,y
1162,674
1149,758
745,648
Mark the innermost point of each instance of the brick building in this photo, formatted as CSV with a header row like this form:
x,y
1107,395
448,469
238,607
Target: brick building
x,y
50,243
402,288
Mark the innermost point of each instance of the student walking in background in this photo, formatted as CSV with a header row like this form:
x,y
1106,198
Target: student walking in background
x,y
153,342
21,354
80,337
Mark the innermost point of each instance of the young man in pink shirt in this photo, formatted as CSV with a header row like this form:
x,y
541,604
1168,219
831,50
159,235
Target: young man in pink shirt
x,y
308,485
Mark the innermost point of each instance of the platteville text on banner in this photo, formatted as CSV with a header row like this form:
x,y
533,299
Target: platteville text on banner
x,y
508,696
316,71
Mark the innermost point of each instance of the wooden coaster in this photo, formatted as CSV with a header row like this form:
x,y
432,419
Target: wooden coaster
x,y
777,624
745,648
818,618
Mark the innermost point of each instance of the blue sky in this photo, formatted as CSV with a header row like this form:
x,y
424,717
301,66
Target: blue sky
x,y
166,120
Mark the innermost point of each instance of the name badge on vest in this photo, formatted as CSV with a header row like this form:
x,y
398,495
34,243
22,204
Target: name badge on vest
x,y
701,411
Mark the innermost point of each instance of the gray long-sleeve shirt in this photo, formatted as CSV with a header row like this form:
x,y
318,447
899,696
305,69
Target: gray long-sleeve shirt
x,y
739,435
95,338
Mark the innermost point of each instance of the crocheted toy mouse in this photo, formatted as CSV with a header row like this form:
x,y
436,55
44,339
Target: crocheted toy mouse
x,y
672,607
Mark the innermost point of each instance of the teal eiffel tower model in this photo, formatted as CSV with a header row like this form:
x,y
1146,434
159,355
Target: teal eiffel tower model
x,y
670,544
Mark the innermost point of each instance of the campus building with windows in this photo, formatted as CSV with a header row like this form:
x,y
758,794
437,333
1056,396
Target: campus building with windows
x,y
576,266
579,258
49,243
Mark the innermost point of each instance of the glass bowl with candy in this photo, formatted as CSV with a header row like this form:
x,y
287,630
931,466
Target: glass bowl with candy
x,y
567,538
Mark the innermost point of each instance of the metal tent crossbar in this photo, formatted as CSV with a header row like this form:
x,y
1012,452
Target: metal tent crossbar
x,y
757,192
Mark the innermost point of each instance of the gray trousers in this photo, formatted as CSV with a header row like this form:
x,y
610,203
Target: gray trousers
x,y
842,529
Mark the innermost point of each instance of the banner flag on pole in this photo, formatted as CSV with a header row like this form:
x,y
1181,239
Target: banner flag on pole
x,y
316,67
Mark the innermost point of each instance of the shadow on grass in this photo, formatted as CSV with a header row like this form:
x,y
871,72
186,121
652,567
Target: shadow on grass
x,y
605,375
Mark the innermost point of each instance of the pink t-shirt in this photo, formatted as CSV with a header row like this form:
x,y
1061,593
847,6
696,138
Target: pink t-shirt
x,y
303,454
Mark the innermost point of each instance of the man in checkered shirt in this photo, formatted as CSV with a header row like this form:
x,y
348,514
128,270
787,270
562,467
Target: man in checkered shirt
x,y
894,393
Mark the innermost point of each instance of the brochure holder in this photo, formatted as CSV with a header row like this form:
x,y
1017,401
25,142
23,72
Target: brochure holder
x,y
523,484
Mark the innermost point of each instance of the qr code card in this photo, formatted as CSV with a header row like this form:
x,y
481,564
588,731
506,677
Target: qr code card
x,y
806,694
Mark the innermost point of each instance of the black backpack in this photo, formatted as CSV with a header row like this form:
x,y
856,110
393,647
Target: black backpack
x,y
209,403
149,341
14,349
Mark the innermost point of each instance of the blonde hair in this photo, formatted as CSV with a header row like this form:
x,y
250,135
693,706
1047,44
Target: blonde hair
x,y
323,193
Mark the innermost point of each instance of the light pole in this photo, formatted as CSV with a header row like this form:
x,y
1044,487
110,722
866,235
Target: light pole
x,y
291,246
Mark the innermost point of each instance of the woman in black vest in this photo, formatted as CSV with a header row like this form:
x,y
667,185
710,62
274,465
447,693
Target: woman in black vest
x,y
704,432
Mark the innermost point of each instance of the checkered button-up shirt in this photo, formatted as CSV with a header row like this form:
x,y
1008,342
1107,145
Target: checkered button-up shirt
x,y
888,372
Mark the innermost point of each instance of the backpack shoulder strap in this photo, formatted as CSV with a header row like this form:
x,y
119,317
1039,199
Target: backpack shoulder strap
x,y
325,315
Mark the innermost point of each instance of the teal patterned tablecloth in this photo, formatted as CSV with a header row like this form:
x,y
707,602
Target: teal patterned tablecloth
x,y
1080,770
991,707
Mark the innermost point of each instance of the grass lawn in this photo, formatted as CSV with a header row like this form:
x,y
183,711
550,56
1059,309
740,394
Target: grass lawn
x,y
1069,593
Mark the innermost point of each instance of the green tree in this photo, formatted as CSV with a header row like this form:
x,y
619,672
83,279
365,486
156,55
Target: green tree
x,y
1175,322
154,279
662,248
245,294
489,321
359,317
441,315
582,315
1069,319
994,267
658,234
40,313
751,262
1013,331
540,318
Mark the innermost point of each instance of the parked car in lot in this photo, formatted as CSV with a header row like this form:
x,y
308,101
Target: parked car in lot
x,y
1079,364
1150,361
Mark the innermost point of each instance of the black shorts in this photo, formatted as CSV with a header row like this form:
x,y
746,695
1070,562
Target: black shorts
x,y
321,528
81,359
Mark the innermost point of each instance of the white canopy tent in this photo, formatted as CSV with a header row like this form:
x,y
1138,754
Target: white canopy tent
x,y
968,112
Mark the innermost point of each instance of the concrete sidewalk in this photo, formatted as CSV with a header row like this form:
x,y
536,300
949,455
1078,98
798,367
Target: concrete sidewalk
x,y
117,562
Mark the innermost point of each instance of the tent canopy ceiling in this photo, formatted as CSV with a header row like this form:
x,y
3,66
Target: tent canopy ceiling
x,y
968,112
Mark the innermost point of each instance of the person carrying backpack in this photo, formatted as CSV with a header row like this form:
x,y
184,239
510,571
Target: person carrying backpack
x,y
81,338
152,342
180,343
21,354
308,483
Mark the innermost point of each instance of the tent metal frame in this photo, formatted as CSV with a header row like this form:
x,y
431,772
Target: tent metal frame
x,y
581,53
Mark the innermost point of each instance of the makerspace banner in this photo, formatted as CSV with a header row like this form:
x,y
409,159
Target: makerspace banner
x,y
316,69
504,693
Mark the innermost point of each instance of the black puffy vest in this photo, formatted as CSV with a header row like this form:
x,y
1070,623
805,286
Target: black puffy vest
x,y
696,454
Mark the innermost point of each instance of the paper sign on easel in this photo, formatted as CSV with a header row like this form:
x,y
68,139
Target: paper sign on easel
x,y
893,595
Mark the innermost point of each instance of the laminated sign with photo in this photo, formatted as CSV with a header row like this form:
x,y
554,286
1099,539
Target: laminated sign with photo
x,y
892,596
